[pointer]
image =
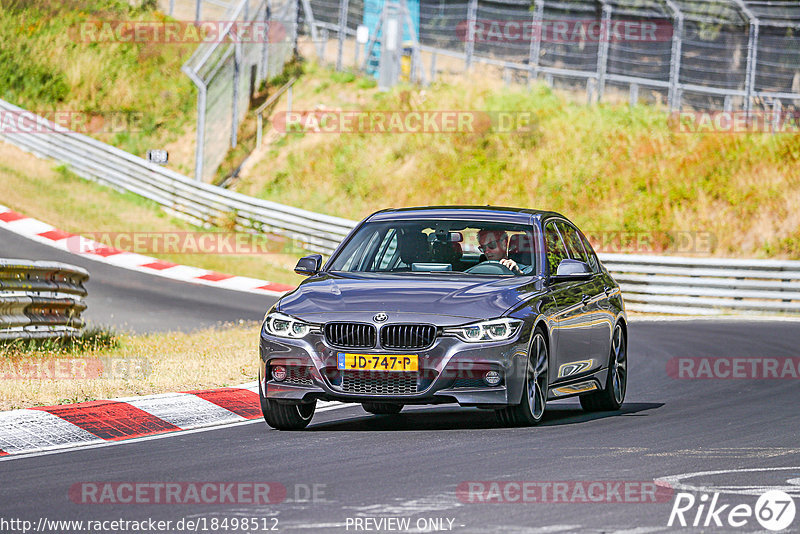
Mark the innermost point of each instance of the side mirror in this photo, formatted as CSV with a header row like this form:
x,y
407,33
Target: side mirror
x,y
572,270
308,265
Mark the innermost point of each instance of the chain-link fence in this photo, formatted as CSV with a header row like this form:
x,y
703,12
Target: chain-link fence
x,y
709,54
253,41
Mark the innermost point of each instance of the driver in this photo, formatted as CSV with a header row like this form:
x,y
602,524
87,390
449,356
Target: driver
x,y
494,245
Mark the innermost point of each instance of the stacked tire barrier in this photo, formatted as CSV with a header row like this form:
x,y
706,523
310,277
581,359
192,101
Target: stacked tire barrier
x,y
41,299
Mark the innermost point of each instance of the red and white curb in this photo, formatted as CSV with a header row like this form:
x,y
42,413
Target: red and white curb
x,y
44,233
89,423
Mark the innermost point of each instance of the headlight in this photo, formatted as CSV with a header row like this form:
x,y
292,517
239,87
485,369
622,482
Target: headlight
x,y
494,330
278,324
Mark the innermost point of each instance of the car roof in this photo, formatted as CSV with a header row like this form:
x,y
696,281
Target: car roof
x,y
487,213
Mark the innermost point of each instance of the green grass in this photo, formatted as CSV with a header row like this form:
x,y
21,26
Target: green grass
x,y
611,168
46,66
94,338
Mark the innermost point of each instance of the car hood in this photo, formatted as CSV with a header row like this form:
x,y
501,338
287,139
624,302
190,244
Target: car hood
x,y
406,295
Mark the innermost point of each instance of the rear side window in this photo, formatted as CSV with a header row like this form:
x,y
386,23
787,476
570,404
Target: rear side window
x,y
593,262
573,242
554,247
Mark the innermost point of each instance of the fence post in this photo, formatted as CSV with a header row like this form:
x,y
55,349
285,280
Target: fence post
x,y
265,45
536,40
752,57
602,52
752,62
237,68
472,16
776,115
202,91
343,6
675,59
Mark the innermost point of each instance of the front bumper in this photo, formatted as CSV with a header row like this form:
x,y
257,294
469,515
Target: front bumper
x,y
450,371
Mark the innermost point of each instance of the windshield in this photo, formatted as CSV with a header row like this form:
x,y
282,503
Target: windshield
x,y
458,246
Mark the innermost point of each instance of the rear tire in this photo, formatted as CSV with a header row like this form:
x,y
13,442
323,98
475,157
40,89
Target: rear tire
x,y
530,410
295,416
382,408
611,398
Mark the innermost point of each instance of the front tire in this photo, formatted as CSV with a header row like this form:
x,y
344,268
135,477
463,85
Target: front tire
x,y
530,410
611,398
295,416
382,408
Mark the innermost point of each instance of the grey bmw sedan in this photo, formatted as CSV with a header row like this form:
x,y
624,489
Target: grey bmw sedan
x,y
503,309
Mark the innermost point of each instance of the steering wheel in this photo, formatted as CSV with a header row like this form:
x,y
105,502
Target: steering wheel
x,y
489,267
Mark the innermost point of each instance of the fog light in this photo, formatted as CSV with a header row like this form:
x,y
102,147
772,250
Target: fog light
x,y
279,373
492,378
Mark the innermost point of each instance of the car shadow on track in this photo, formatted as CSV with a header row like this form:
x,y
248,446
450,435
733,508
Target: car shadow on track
x,y
454,418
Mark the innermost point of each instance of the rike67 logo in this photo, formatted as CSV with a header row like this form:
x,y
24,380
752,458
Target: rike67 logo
x,y
774,510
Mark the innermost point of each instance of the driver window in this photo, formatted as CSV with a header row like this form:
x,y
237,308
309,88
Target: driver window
x,y
556,251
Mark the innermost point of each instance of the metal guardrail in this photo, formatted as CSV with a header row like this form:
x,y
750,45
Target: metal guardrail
x,y
705,286
271,101
40,299
203,204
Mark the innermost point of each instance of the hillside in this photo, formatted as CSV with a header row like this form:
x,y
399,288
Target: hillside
x,y
624,174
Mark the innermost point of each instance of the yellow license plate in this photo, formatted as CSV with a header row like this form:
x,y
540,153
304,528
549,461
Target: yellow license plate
x,y
377,362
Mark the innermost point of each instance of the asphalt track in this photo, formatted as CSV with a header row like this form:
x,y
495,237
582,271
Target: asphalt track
x,y
138,302
410,465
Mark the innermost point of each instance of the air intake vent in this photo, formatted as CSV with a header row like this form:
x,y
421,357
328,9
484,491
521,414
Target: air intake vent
x,y
379,383
407,336
353,335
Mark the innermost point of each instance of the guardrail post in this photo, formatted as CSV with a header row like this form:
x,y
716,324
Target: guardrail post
x,y
469,49
673,100
343,7
602,51
536,40
633,97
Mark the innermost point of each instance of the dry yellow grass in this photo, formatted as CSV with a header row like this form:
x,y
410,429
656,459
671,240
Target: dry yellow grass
x,y
611,168
139,365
